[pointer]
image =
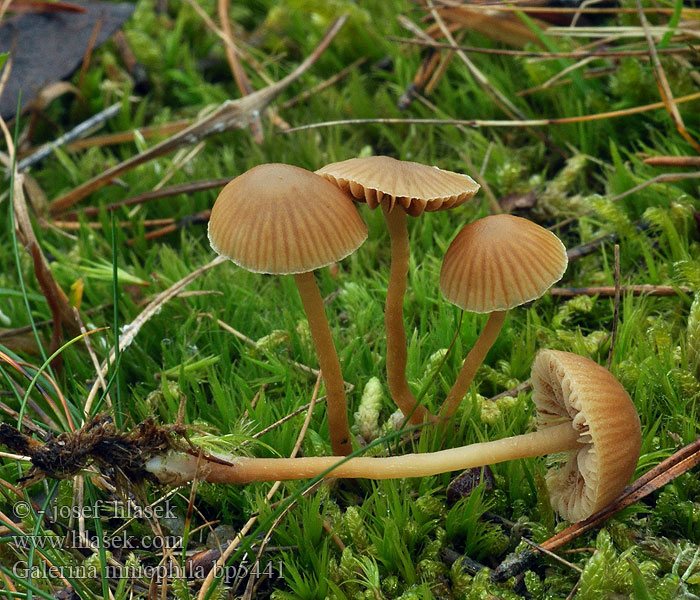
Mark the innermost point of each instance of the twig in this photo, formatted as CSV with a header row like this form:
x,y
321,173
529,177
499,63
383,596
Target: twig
x,y
173,190
673,161
232,114
616,309
78,131
551,554
237,70
609,290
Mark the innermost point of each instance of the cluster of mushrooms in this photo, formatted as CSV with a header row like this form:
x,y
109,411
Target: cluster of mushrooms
x,y
281,219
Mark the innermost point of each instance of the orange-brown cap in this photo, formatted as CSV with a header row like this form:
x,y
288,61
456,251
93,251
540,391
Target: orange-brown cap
x,y
415,187
569,387
499,262
279,218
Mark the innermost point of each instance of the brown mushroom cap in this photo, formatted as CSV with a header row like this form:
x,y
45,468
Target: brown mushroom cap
x,y
278,218
499,262
569,387
414,186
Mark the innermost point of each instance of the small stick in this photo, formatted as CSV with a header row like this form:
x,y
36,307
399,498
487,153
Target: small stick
x,y
123,137
324,84
616,310
673,161
78,131
173,190
609,290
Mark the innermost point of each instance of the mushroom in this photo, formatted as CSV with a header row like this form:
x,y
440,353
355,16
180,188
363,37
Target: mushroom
x,y
582,411
494,264
281,219
401,188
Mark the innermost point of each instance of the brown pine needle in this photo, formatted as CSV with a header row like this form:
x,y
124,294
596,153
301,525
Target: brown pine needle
x,y
173,190
673,161
123,137
498,123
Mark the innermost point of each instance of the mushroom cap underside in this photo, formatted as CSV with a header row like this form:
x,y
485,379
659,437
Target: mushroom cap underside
x,y
278,218
499,262
571,387
413,186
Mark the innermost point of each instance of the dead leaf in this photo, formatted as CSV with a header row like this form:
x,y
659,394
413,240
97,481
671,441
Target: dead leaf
x,y
64,40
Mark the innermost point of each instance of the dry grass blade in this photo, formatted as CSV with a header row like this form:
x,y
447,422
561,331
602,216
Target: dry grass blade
x,y
61,310
232,114
325,84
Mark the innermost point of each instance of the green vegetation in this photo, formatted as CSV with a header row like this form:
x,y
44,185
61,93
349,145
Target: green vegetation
x,y
390,539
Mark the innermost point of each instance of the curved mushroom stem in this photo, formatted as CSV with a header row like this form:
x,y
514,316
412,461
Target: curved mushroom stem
x,y
472,362
177,468
396,354
328,361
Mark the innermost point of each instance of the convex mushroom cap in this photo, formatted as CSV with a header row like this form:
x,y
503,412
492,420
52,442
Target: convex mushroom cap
x,y
569,387
499,262
413,186
282,219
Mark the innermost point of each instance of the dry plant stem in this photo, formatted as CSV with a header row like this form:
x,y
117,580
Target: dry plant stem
x,y
184,467
328,361
396,354
472,362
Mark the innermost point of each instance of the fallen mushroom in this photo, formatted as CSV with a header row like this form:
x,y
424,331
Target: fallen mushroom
x,y
401,188
582,411
282,219
495,264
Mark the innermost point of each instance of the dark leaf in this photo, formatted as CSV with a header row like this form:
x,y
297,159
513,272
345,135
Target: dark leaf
x,y
64,39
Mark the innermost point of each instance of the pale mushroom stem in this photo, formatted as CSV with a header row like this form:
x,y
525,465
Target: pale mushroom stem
x,y
328,361
396,353
472,362
178,468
